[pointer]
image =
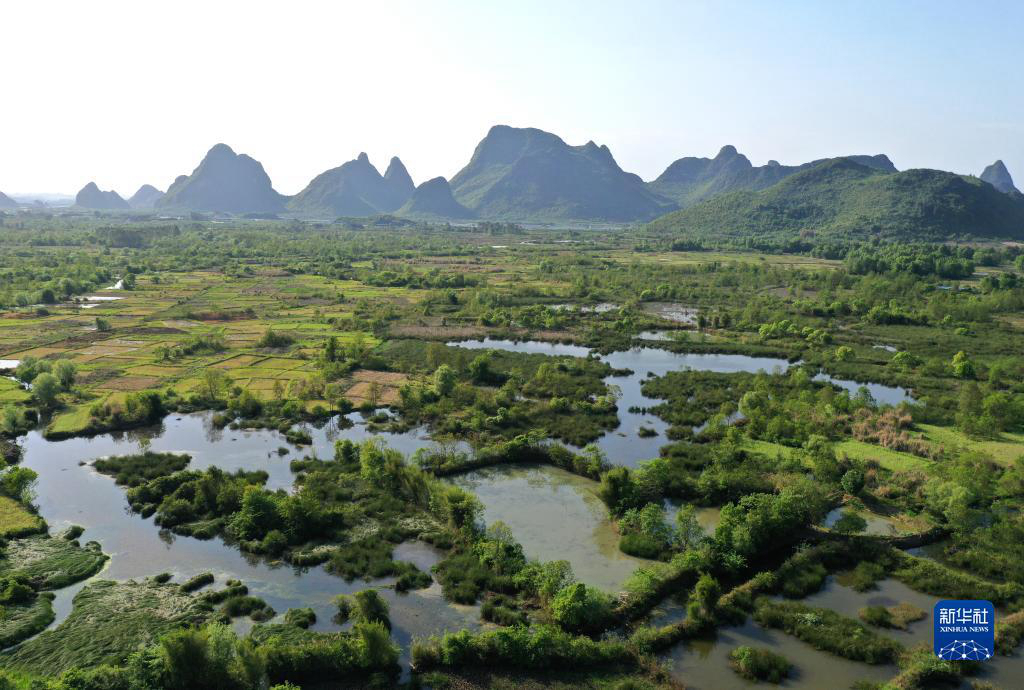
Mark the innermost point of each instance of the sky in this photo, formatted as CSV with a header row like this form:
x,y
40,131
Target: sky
x,y
127,93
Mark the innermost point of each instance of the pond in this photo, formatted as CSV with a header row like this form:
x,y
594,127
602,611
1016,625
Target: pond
x,y
70,492
703,663
671,311
625,445
878,525
555,515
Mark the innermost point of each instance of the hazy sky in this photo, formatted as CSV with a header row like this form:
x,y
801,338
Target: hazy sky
x,y
126,93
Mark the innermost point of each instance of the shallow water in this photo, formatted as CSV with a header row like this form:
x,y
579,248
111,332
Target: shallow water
x,y
73,493
703,664
672,311
555,515
877,524
624,445
842,599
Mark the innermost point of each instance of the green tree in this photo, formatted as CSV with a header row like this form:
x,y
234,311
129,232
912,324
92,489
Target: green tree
x,y
579,607
853,482
689,533
963,367
45,388
215,381
704,599
444,380
850,523
65,371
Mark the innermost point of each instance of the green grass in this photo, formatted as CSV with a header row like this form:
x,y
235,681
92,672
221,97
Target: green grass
x,y
1007,448
889,459
857,450
21,621
16,520
51,562
109,621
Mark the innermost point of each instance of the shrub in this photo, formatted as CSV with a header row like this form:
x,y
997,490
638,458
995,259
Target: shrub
x,y
757,663
303,618
197,582
579,607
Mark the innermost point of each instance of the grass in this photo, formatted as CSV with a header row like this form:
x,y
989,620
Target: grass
x,y
889,459
51,562
21,621
16,520
856,450
109,621
1007,448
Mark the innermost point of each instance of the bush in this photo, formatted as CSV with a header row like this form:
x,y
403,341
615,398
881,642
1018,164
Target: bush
x,y
198,582
757,663
579,607
828,631
541,647
303,618
273,339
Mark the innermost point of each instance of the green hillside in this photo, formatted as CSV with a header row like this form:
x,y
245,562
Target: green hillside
x,y
841,196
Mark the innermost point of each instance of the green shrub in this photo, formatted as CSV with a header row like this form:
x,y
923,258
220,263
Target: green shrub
x,y
197,582
579,607
757,663
303,618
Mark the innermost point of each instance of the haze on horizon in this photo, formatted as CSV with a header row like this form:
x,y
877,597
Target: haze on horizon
x,y
125,93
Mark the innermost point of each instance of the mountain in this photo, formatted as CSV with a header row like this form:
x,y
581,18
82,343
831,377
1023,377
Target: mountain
x,y
691,180
398,179
999,177
225,182
90,196
355,188
146,197
7,202
433,200
844,196
529,174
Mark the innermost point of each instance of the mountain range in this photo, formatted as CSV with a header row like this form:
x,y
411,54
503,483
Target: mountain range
x,y
7,202
355,188
844,196
689,180
529,175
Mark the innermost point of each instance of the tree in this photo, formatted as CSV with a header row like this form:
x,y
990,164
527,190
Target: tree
x,y
102,325
19,483
963,367
850,523
844,353
579,607
215,381
65,371
689,533
704,599
970,410
444,380
852,482
45,387
331,349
